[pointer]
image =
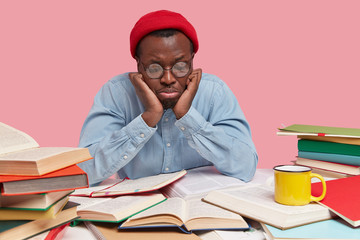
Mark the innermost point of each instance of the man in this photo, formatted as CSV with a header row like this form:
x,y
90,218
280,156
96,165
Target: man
x,y
167,116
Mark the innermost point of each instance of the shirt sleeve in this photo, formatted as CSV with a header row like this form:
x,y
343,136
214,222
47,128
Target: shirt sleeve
x,y
224,138
112,142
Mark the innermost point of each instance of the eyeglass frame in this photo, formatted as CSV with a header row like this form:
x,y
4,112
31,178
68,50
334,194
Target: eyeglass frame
x,y
189,62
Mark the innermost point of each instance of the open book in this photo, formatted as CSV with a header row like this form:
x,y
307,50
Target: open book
x,y
188,215
257,202
199,181
115,209
127,186
20,154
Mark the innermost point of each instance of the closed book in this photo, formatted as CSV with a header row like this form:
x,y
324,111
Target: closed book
x,y
315,130
324,230
331,157
328,147
342,197
31,214
335,167
22,229
40,201
68,178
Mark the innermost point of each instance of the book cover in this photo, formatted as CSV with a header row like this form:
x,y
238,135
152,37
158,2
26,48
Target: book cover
x,y
331,166
342,197
328,147
313,130
328,230
331,157
41,201
23,229
69,178
16,214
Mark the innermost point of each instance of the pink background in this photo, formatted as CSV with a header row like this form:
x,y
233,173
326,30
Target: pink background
x,y
286,61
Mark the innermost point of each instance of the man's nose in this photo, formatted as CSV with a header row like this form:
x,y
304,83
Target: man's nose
x,y
168,78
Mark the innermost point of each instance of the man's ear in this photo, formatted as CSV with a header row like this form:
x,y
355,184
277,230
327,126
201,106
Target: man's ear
x,y
137,62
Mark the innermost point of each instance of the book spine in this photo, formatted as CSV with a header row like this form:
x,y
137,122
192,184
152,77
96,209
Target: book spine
x,y
331,157
328,147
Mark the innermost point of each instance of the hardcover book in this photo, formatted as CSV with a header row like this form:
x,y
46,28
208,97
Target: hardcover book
x,y
68,178
22,229
342,197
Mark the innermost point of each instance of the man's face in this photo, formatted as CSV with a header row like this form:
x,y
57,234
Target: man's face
x,y
165,51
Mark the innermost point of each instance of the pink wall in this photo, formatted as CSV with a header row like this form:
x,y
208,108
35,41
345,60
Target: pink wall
x,y
286,61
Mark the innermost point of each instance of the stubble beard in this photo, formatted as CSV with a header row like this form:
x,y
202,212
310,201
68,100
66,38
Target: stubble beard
x,y
167,104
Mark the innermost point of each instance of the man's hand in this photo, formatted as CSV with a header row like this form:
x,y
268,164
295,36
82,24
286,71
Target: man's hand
x,y
184,103
153,107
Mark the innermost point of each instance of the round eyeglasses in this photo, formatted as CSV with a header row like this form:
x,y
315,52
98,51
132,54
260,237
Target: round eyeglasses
x,y
156,71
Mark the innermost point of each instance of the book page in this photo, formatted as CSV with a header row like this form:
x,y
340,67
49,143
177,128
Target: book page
x,y
200,181
173,206
264,196
122,204
35,153
86,202
196,208
12,139
145,183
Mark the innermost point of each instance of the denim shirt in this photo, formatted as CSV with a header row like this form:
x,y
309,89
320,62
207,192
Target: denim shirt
x,y
213,132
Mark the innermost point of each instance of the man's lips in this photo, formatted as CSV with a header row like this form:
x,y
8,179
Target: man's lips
x,y
168,93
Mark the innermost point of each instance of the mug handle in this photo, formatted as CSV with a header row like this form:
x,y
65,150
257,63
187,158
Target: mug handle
x,y
312,198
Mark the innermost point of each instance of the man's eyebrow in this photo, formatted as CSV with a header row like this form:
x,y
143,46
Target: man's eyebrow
x,y
179,58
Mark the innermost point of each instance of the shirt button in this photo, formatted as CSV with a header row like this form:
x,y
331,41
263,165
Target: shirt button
x,y
167,169
182,128
168,144
166,119
125,157
142,135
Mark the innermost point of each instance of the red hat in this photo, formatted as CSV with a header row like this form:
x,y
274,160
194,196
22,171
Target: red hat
x,y
159,20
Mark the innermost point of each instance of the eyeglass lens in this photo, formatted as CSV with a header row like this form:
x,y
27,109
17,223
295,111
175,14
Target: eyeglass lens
x,y
180,69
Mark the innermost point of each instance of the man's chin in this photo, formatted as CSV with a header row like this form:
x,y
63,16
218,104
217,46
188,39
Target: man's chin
x,y
169,104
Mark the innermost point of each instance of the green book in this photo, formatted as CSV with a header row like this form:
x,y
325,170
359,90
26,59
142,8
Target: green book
x,y
313,130
328,147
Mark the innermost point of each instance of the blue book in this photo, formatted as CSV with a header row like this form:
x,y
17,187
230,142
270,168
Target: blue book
x,y
328,229
331,157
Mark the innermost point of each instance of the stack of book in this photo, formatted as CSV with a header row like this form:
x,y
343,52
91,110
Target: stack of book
x,y
330,151
35,185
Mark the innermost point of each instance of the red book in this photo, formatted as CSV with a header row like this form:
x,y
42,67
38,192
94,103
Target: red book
x,y
342,197
72,177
